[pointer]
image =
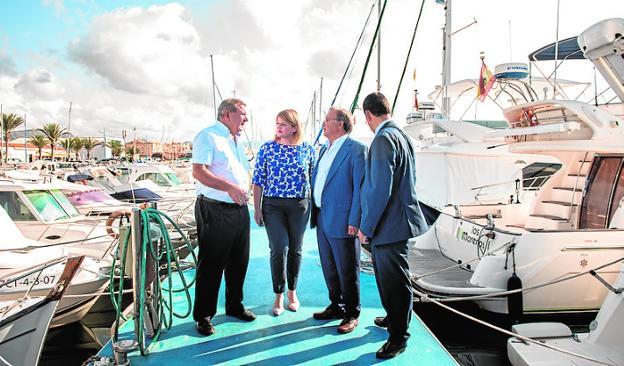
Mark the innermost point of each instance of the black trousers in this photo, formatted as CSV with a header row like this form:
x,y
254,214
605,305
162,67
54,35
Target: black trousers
x,y
395,288
285,220
340,261
223,235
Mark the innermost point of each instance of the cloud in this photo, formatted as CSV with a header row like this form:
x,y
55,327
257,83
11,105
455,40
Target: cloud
x,y
154,51
38,85
7,65
57,5
327,62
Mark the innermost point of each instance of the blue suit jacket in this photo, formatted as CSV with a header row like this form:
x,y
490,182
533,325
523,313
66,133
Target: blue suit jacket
x,y
341,194
390,210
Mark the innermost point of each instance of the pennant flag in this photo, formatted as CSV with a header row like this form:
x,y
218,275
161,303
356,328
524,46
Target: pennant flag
x,y
486,81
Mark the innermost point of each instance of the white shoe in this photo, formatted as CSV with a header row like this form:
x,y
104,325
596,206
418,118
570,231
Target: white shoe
x,y
293,301
278,305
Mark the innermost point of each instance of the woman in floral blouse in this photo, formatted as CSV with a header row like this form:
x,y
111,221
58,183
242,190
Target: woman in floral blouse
x,y
281,189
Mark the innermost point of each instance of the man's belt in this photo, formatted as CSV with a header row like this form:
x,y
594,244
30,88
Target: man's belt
x,y
217,202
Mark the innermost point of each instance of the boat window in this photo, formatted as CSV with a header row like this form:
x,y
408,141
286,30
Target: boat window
x,y
90,197
618,194
47,206
173,178
15,207
601,180
62,199
536,174
158,178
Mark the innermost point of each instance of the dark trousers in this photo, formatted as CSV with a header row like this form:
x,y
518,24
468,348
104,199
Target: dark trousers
x,y
223,235
395,288
340,260
285,221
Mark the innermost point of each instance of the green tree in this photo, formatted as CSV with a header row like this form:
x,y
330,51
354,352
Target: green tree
x,y
67,144
9,123
89,143
53,133
131,151
40,142
115,147
77,145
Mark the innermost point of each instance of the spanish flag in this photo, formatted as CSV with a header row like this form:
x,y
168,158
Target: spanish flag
x,y
486,81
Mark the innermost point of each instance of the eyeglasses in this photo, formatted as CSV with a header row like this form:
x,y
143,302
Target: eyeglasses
x,y
331,119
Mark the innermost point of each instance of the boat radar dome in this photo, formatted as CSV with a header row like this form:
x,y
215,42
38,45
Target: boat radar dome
x,y
511,70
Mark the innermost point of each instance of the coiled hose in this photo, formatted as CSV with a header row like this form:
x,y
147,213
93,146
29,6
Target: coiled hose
x,y
162,252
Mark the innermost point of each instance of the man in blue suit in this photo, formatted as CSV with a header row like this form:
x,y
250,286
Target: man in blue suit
x,y
336,215
390,216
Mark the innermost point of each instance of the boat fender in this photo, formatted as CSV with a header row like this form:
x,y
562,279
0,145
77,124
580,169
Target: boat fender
x,y
514,301
111,219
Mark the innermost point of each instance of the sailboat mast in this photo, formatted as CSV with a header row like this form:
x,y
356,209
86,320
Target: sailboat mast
x,y
214,95
446,67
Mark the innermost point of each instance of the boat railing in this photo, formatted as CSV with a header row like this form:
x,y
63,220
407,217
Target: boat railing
x,y
521,186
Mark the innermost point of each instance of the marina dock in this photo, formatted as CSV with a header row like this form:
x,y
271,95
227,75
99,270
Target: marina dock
x,y
293,337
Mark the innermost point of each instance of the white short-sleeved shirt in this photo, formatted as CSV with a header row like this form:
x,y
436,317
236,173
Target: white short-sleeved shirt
x,y
215,147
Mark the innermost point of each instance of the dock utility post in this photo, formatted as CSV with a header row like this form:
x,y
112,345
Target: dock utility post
x,y
603,44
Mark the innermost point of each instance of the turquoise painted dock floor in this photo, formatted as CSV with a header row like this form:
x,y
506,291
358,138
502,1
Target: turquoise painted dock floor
x,y
293,338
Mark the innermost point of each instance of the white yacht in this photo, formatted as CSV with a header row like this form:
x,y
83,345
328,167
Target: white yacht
x,y
43,213
21,262
574,223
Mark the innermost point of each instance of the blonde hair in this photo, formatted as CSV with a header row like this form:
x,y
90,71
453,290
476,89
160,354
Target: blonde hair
x,y
291,117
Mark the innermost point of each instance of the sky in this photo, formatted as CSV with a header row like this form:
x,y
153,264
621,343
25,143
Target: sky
x,y
145,65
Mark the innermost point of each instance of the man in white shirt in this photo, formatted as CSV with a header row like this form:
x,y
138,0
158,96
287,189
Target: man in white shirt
x,y
221,170
336,215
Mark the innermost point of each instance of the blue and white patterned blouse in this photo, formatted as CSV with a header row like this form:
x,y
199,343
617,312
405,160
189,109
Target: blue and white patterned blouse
x,y
284,171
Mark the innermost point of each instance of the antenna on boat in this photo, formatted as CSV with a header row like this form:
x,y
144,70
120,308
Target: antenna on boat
x,y
446,63
556,51
510,48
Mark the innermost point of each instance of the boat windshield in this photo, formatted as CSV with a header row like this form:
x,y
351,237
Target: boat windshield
x,y
52,205
161,179
90,197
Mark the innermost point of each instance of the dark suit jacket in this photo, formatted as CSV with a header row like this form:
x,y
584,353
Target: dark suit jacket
x,y
390,210
340,201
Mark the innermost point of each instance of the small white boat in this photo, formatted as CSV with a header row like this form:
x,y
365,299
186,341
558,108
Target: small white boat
x,y
20,260
604,342
43,213
24,323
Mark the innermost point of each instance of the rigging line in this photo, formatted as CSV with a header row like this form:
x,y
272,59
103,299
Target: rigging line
x,y
409,52
357,46
521,337
370,51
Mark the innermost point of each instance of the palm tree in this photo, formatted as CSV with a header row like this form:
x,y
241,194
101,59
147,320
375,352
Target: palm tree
x,y
115,146
9,123
39,141
89,143
77,145
53,133
131,151
68,145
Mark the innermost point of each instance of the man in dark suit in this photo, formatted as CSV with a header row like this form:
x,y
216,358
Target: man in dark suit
x,y
390,216
336,215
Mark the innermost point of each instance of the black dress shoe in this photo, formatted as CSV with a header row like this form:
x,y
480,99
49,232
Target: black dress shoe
x,y
381,322
205,327
390,350
329,313
245,315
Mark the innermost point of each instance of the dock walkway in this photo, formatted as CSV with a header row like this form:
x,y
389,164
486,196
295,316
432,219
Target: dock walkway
x,y
293,338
